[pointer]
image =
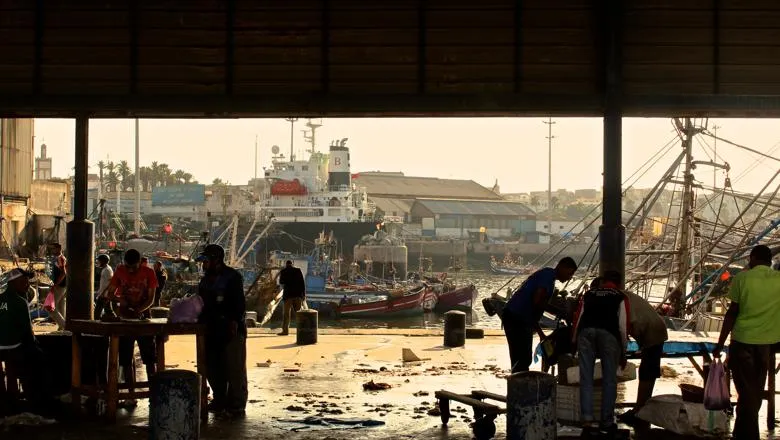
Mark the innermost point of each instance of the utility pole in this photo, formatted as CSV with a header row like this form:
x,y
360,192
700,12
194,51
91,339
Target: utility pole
x,y
292,122
255,158
715,147
137,220
550,137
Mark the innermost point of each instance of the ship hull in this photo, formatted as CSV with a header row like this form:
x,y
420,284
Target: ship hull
x,y
299,236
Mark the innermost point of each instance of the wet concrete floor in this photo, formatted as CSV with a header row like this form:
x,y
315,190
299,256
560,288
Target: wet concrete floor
x,y
326,380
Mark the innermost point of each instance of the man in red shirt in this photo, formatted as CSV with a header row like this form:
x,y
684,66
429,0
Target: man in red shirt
x,y
131,293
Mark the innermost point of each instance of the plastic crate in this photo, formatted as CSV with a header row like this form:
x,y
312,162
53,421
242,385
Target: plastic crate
x,y
567,403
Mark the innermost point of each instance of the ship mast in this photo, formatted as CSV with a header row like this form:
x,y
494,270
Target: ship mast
x,y
686,213
310,135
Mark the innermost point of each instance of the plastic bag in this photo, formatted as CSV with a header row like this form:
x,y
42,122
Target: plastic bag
x,y
48,303
716,391
185,310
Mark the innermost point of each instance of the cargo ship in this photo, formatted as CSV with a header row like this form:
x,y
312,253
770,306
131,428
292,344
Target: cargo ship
x,y
306,197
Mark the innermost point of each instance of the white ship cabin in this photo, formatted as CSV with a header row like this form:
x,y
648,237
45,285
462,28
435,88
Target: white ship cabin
x,y
316,190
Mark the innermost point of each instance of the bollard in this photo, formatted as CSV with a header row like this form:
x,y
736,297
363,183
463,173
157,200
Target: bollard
x,y
159,312
530,407
174,405
454,329
306,332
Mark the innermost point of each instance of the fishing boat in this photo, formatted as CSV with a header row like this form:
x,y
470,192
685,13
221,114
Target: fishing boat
x,y
456,298
510,266
685,239
398,303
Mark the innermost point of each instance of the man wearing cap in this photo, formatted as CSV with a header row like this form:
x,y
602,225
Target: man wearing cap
x,y
224,314
131,293
18,347
293,294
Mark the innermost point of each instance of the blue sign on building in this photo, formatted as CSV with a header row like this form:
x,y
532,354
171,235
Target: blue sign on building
x,y
178,195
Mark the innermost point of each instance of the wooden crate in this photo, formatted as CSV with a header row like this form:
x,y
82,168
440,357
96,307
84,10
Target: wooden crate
x,y
567,403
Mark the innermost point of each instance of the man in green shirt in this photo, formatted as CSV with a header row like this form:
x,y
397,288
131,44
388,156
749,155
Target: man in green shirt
x,y
752,320
18,347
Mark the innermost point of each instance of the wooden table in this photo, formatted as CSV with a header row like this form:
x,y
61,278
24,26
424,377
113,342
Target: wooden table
x,y
113,391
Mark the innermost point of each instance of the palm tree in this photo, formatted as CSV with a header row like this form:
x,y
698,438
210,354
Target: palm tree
x,y
166,176
101,166
179,176
217,181
123,169
111,177
187,178
145,173
155,176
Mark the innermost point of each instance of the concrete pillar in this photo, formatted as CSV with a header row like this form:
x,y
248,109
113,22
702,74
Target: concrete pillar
x,y
612,233
174,405
530,407
306,331
80,235
454,329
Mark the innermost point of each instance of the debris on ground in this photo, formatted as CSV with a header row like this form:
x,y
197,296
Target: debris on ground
x,y
295,408
291,370
435,411
365,370
376,386
421,394
26,419
668,372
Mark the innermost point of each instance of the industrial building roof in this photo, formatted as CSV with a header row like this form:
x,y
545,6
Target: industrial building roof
x,y
390,205
395,186
476,207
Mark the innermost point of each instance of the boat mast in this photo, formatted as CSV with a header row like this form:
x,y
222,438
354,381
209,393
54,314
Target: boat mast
x,y
292,122
684,247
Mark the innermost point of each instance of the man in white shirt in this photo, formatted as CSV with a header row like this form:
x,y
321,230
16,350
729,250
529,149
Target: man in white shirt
x,y
106,274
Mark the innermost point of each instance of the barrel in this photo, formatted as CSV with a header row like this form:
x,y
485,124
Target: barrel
x,y
530,406
174,405
306,332
454,329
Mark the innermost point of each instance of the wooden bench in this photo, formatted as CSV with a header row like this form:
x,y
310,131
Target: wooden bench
x,y
484,413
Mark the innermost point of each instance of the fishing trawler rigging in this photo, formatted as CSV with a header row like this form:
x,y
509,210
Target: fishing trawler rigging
x,y
685,239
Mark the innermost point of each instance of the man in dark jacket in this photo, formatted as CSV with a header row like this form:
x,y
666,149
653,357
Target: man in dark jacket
x,y
18,347
224,314
294,293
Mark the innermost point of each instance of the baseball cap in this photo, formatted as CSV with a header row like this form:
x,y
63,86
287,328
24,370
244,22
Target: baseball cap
x,y
18,273
211,252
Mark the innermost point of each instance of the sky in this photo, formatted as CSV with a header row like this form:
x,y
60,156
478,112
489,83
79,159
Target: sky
x,y
513,151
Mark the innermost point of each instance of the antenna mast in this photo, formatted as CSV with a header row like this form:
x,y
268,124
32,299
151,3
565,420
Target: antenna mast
x,y
292,122
310,135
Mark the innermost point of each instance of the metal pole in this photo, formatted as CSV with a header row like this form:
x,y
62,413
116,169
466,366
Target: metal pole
x,y
137,222
255,158
81,169
80,241
715,159
612,241
549,123
292,137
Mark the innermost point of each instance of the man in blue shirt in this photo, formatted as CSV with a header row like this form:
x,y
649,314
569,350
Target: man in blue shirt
x,y
520,317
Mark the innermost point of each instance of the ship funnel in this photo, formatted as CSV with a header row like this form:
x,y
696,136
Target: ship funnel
x,y
339,177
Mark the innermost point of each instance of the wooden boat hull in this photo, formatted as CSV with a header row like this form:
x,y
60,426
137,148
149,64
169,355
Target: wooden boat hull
x,y
461,298
501,270
411,303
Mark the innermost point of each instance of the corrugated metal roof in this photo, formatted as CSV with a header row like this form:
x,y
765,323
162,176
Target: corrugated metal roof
x,y
388,206
422,187
476,207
